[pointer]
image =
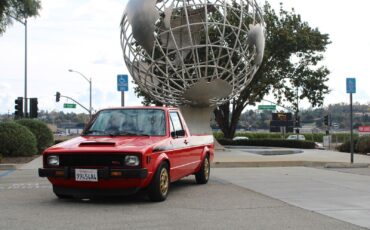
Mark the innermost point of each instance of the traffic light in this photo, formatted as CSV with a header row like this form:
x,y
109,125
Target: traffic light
x,y
18,107
326,120
297,121
57,97
33,108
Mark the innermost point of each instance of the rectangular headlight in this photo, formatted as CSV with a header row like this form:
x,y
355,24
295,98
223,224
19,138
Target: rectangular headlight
x,y
132,160
53,160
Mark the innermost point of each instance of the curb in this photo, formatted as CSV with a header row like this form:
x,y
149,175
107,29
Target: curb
x,y
347,165
257,164
9,166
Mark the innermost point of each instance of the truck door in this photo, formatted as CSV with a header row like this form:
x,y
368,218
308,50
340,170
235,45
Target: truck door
x,y
181,153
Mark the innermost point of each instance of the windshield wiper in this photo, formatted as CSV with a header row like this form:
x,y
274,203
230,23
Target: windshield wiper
x,y
94,131
120,133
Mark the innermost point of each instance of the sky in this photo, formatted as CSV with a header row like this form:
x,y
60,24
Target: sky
x,y
84,35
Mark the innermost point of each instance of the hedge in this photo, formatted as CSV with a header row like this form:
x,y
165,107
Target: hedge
x,y
363,145
270,143
43,134
360,145
16,140
315,137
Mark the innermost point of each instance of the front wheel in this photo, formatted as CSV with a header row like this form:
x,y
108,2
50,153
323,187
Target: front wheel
x,y
202,176
62,196
159,187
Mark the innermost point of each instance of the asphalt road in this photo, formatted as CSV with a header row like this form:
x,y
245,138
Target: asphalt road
x,y
27,202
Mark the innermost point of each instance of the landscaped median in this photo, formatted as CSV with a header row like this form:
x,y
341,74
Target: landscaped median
x,y
269,143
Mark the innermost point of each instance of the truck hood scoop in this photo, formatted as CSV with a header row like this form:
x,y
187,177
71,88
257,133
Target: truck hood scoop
x,y
97,143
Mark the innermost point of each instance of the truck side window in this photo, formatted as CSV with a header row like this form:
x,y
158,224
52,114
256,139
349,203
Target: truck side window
x,y
177,129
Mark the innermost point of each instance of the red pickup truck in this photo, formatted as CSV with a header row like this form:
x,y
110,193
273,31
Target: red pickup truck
x,y
123,150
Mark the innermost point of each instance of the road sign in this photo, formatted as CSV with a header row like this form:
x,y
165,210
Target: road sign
x,y
351,85
122,82
69,106
267,107
364,129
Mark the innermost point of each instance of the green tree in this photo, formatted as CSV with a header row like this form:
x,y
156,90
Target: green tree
x,y
292,55
19,10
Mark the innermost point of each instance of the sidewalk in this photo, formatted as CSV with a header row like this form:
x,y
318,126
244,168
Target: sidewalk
x,y
248,156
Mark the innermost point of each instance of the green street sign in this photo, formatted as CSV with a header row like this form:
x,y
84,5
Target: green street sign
x,y
69,106
267,107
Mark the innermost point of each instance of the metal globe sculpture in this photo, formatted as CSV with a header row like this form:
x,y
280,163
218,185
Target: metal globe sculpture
x,y
197,53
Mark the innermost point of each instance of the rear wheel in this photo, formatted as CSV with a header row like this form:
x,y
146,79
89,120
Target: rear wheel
x,y
202,176
159,187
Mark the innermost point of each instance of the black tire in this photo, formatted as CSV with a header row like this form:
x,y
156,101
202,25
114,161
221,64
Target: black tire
x,y
160,185
63,197
202,176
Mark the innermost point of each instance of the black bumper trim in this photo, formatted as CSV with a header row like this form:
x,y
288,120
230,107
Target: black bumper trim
x,y
104,173
87,193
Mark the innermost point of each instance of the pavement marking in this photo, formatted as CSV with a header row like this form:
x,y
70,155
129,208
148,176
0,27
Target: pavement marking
x,y
6,173
25,186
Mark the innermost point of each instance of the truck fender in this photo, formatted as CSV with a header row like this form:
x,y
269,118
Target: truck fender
x,y
206,151
162,157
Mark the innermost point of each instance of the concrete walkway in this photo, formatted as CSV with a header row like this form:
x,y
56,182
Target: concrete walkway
x,y
262,157
343,196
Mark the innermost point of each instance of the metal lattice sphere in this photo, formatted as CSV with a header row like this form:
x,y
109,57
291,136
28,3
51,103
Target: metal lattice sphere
x,y
192,52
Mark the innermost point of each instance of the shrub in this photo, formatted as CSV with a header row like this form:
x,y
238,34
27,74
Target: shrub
x,y
16,140
43,134
270,143
346,146
218,135
363,145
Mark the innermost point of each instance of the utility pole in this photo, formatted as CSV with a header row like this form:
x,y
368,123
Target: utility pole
x,y
25,63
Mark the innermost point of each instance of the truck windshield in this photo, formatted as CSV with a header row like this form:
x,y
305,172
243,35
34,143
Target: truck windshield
x,y
128,122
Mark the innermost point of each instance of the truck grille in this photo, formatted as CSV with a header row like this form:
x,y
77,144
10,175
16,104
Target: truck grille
x,y
92,160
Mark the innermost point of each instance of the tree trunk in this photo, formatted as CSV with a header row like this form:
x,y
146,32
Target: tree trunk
x,y
222,115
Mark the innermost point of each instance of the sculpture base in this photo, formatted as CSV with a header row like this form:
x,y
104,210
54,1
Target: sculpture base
x,y
198,119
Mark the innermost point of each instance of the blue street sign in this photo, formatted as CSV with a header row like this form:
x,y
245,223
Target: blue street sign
x,y
351,85
122,82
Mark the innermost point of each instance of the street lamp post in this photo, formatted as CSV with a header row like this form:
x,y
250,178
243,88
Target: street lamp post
x,y
90,83
25,61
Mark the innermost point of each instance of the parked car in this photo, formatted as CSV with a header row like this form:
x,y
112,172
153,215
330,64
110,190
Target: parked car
x,y
296,137
240,138
127,149
319,146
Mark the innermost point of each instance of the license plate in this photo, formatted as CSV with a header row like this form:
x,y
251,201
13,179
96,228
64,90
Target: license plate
x,y
86,175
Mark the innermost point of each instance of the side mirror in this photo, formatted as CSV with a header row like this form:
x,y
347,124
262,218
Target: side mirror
x,y
178,133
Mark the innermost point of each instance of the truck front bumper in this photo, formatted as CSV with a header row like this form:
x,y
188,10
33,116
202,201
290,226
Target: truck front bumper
x,y
104,173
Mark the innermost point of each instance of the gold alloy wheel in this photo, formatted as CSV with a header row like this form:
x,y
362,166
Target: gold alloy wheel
x,y
164,181
206,168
